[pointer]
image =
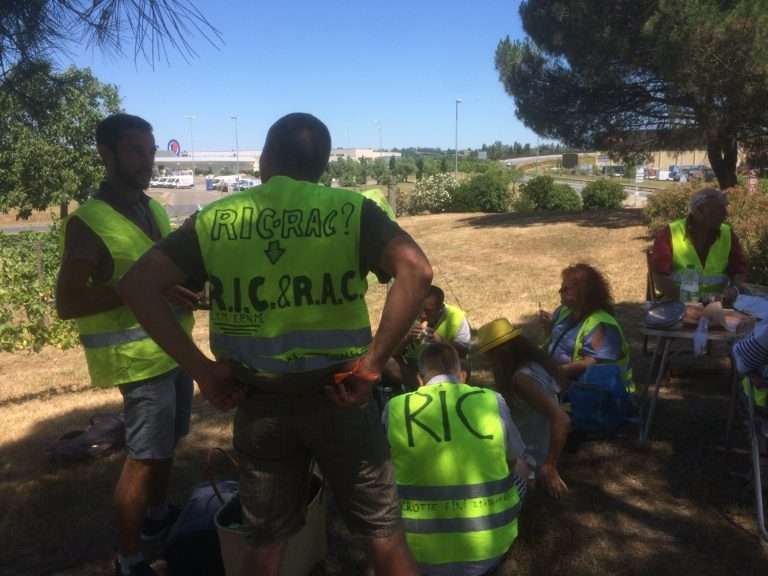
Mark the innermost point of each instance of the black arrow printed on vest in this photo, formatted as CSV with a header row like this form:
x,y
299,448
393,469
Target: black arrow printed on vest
x,y
274,251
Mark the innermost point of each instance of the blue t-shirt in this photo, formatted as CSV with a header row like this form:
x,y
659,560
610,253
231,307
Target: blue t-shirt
x,y
563,341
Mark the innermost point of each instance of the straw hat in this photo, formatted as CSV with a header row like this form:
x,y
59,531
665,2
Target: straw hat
x,y
495,334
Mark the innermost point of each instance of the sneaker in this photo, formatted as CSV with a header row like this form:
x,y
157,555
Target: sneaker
x,y
154,530
141,569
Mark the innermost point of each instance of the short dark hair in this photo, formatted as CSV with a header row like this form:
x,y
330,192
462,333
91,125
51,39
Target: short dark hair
x,y
299,145
437,293
439,358
112,128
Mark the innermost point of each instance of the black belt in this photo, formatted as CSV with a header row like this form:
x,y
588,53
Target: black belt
x,y
294,384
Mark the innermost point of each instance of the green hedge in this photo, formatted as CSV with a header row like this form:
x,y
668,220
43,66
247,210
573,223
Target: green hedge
x,y
603,193
542,193
29,264
483,192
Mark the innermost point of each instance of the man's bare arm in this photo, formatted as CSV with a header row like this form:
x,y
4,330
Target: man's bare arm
x,y
75,297
143,289
403,259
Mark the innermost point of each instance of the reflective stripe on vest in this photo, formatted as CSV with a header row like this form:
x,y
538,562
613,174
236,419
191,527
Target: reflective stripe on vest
x,y
117,349
587,326
459,500
283,259
712,274
462,491
488,522
263,354
102,339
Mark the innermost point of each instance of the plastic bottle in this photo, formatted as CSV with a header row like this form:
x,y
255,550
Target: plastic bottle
x,y
689,285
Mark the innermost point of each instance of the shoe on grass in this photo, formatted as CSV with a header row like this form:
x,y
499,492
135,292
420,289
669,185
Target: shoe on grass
x,y
154,530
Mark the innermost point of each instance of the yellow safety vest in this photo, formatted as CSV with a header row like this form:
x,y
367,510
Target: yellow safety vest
x,y
283,261
760,394
712,275
587,326
458,499
117,349
447,328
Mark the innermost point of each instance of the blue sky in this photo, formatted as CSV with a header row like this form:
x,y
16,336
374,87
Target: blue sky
x,y
352,64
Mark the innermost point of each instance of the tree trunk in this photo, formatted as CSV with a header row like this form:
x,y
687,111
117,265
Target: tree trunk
x,y
723,153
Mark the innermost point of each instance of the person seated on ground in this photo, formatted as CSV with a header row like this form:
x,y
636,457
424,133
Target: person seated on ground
x,y
701,240
458,467
438,322
751,356
583,330
527,378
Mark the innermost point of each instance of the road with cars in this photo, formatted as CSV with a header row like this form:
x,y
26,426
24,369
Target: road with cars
x,y
180,203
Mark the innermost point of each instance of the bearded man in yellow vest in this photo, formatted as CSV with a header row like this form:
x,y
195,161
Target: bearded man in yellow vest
x,y
287,264
704,242
438,322
102,239
459,469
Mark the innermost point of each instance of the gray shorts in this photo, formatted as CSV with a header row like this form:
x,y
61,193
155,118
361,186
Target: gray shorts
x,y
157,412
277,436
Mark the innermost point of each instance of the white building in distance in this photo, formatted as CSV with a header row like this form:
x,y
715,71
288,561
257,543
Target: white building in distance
x,y
226,162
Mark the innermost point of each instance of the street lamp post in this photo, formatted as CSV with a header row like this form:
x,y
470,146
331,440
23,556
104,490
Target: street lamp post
x,y
378,126
191,119
237,151
456,160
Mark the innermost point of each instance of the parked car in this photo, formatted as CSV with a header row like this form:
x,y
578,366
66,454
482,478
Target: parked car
x,y
614,171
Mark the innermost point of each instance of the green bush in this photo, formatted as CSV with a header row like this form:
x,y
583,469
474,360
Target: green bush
x,y
603,193
666,205
564,198
542,193
484,192
536,192
746,213
29,264
433,194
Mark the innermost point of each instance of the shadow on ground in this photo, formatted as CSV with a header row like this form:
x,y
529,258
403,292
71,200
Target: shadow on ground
x,y
665,508
58,520
621,218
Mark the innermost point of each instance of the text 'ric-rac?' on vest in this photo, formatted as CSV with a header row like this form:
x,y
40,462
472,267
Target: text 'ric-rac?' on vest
x,y
712,274
283,261
458,497
117,349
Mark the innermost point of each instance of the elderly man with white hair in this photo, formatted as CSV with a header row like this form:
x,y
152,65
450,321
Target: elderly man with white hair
x,y
704,242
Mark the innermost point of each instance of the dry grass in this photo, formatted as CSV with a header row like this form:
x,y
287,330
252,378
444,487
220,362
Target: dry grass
x,y
662,509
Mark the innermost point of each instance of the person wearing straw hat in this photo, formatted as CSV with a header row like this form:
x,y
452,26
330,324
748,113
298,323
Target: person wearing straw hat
x,y
458,466
528,380
704,241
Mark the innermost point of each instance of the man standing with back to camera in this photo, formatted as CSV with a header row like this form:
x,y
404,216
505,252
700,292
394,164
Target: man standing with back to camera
x,y
102,239
287,263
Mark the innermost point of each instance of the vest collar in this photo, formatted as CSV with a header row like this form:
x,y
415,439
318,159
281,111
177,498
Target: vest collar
x,y
111,196
442,379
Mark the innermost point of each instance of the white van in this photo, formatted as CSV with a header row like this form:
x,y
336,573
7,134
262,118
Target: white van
x,y
183,179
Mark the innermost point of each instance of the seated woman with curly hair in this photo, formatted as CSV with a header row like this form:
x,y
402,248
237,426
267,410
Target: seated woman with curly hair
x,y
583,330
